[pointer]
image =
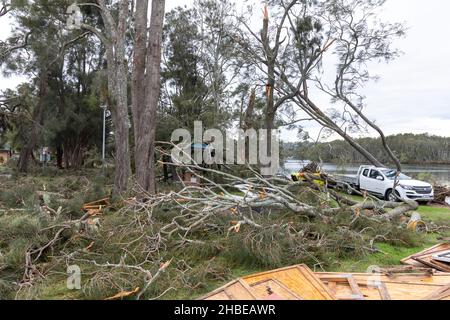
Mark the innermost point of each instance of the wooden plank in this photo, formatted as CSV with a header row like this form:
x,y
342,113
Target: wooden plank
x,y
239,291
426,257
389,290
410,291
355,292
428,260
368,292
436,278
99,204
333,287
411,261
218,296
442,293
374,290
384,292
299,279
235,290
273,288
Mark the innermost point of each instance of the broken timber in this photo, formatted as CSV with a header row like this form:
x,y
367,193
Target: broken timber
x,y
300,283
426,258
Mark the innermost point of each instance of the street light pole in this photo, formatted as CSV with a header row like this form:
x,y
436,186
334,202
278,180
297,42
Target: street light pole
x,y
104,137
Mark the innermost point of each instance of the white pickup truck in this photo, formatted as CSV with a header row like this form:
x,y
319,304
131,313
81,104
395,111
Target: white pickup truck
x,y
380,182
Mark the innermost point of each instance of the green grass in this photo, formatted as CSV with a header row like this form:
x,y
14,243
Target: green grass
x,y
440,215
392,255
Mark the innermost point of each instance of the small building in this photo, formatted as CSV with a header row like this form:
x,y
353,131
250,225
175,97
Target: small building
x,y
5,156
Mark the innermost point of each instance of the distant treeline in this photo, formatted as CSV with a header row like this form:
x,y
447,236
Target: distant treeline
x,y
410,149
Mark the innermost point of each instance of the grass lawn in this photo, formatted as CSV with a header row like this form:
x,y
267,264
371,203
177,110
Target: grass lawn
x,y
393,254
440,215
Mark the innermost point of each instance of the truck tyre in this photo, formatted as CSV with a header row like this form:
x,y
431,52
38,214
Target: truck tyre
x,y
350,190
390,196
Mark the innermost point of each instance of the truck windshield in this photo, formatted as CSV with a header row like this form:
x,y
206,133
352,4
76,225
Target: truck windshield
x,y
390,174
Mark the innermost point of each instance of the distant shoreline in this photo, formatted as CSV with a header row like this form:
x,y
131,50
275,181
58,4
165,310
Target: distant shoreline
x,y
417,163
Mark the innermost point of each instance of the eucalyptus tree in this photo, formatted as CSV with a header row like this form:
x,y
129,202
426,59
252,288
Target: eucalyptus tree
x,y
200,66
125,30
112,32
146,87
41,58
307,33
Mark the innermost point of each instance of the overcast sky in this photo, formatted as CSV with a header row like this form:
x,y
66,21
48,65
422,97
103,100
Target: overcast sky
x,y
413,94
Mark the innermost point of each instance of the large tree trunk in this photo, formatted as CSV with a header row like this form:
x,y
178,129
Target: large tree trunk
x,y
145,119
59,157
139,92
248,123
270,104
118,86
118,89
38,118
154,83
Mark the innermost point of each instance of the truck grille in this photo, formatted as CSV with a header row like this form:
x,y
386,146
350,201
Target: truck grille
x,y
423,190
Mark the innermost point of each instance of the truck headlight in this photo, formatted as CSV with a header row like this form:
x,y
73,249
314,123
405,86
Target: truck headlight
x,y
406,187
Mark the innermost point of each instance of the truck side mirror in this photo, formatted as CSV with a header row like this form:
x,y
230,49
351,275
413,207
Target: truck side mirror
x,y
380,178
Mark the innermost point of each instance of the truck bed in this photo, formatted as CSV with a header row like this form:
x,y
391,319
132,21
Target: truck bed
x,y
351,179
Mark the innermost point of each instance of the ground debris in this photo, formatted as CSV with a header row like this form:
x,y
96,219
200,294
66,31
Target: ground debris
x,y
436,257
300,283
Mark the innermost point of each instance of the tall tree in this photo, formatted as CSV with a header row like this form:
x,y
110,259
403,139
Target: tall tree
x,y
45,46
200,67
146,89
307,30
114,37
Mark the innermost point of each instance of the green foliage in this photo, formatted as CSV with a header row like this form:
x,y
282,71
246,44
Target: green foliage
x,y
198,66
214,257
72,118
20,196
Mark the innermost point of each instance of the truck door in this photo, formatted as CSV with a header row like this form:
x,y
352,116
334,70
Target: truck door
x,y
364,179
376,182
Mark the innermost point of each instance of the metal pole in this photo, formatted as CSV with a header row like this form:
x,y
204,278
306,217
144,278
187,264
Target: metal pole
x,y
104,138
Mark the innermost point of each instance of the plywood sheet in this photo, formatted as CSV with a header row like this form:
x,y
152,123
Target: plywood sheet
x,y
375,291
299,279
348,288
274,290
424,258
410,291
236,290
437,278
383,287
410,259
428,260
442,293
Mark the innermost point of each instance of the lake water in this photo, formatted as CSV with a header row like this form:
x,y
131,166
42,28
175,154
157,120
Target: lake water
x,y
439,173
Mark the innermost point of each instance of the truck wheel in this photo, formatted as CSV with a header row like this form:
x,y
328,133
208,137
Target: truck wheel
x,y
390,196
350,190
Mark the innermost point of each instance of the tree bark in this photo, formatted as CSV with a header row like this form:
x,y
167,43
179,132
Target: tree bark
x,y
139,90
247,122
59,157
145,114
117,68
154,84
